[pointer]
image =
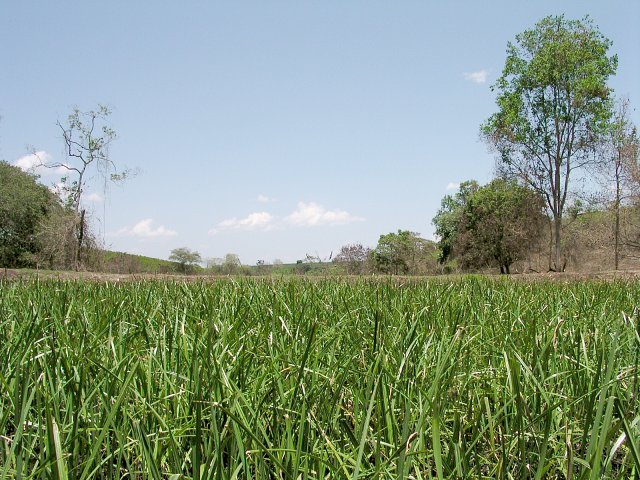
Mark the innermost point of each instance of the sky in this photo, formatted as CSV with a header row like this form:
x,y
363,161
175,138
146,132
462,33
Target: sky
x,y
273,129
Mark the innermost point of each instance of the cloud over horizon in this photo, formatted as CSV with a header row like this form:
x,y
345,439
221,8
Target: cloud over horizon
x,y
309,214
253,221
144,229
477,77
313,215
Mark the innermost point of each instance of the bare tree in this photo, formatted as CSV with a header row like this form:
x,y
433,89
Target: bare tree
x,y
86,136
618,169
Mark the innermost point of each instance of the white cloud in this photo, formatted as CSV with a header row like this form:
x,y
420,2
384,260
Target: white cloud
x,y
34,163
453,186
306,215
94,198
264,199
312,215
30,162
477,77
254,221
144,229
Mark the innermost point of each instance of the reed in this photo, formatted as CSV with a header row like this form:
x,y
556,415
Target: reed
x,y
287,378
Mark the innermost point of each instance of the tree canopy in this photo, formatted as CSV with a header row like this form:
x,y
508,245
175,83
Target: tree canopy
x,y
447,219
498,225
354,257
24,204
186,257
554,105
403,252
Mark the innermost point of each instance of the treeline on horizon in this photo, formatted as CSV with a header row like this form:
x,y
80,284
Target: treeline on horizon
x,y
567,183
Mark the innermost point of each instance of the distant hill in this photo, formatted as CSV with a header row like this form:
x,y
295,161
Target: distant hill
x,y
127,263
120,262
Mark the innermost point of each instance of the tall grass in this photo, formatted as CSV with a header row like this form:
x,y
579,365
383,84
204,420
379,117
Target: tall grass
x,y
473,378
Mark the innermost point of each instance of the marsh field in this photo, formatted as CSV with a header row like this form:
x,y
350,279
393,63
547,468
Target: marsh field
x,y
327,378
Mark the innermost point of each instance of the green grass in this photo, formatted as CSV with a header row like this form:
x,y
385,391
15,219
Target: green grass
x,y
472,378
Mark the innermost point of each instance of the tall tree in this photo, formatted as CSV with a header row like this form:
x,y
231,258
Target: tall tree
x,y
619,168
554,106
87,137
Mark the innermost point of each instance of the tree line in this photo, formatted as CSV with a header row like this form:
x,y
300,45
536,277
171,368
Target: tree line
x,y
563,144
564,147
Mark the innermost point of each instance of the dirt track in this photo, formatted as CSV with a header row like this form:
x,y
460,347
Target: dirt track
x,y
15,274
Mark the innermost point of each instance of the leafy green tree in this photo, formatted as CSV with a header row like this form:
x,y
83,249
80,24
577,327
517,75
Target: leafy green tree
x,y
185,257
499,224
447,219
24,204
353,257
554,106
231,264
403,252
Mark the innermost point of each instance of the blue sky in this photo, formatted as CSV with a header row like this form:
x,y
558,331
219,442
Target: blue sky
x,y
273,129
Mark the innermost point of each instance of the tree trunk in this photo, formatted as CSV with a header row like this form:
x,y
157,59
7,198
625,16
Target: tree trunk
x,y
616,233
80,239
550,255
557,224
617,237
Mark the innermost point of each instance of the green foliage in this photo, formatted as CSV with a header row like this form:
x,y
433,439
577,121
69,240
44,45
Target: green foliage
x,y
231,264
403,253
24,204
554,105
499,224
489,226
354,258
185,257
448,218
470,378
